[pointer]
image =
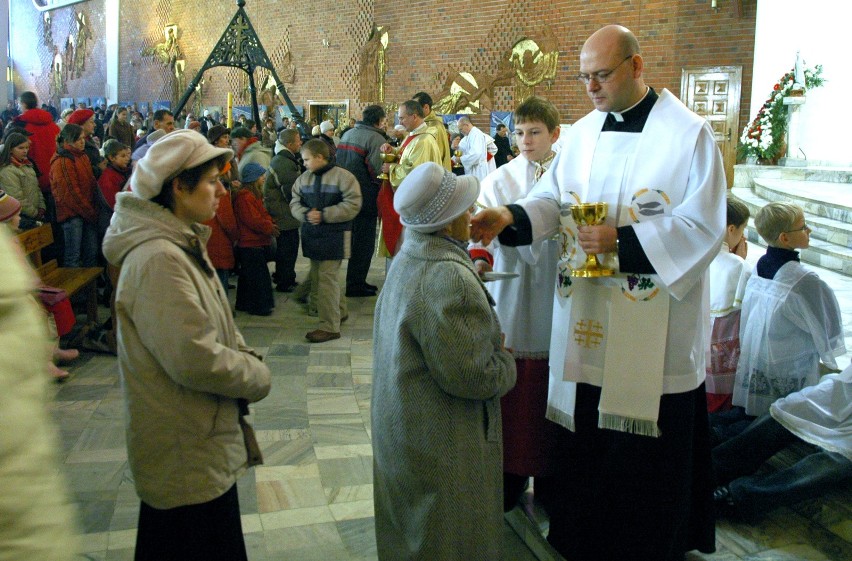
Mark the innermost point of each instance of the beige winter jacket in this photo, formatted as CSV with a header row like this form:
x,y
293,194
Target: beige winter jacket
x,y
182,361
37,521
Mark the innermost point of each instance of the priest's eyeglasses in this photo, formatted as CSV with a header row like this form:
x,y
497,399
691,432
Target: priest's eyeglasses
x,y
601,76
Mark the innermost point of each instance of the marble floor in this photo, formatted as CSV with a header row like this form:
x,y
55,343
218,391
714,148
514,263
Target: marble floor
x,y
312,498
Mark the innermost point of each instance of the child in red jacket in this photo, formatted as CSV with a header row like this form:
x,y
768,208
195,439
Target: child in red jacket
x,y
257,230
112,180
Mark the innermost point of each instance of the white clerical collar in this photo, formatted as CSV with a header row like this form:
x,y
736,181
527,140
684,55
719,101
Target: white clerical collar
x,y
617,115
423,125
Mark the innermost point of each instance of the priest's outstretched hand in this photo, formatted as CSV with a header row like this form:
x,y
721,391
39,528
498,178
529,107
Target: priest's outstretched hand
x,y
487,223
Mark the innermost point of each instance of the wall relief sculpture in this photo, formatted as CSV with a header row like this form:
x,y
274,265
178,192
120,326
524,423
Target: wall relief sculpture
x,y
469,93
47,29
169,54
57,74
81,41
374,66
531,61
534,60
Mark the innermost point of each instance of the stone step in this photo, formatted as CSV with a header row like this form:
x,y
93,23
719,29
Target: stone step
x,y
831,240
820,198
827,229
744,174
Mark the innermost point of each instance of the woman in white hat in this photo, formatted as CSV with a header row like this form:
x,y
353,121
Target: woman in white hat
x,y
439,370
186,372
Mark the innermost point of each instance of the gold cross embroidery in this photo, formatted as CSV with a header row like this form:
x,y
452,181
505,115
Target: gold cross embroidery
x,y
588,333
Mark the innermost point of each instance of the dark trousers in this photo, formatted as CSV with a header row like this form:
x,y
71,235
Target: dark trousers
x,y
737,460
286,253
621,497
56,250
224,275
209,531
725,425
363,247
254,288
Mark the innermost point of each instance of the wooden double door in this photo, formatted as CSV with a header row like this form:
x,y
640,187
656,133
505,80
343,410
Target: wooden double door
x,y
714,93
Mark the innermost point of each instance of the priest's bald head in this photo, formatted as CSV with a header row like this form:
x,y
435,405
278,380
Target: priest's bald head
x,y
464,125
611,69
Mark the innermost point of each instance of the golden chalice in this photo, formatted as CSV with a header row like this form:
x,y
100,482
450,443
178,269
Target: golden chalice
x,y
388,158
590,214
457,163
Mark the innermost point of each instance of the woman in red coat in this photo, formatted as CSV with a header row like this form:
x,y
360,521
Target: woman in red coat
x,y
257,229
73,184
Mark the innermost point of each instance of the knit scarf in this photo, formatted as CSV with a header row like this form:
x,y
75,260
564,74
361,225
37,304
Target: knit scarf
x,y
21,163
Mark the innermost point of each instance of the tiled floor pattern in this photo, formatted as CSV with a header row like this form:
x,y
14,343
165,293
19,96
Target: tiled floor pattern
x,y
312,498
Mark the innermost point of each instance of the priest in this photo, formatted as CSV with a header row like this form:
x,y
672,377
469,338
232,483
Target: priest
x,y
418,148
474,149
627,351
436,127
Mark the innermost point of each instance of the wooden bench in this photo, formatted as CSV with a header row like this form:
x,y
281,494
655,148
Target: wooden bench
x,y
71,280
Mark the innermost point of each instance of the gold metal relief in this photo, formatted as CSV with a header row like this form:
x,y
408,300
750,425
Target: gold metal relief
x,y
80,43
47,29
534,61
531,61
169,54
374,65
464,92
57,74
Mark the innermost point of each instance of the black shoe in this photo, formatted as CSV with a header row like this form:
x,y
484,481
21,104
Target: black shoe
x,y
372,287
286,287
360,292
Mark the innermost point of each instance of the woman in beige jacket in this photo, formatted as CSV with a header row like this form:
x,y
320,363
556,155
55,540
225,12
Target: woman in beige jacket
x,y
186,371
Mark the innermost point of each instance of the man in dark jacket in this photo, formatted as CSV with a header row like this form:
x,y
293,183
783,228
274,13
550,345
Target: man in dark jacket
x,y
277,192
359,153
504,147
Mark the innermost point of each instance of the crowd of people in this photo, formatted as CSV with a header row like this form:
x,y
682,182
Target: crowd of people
x,y
640,412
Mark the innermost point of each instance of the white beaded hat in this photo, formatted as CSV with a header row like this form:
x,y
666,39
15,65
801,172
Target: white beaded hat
x,y
430,197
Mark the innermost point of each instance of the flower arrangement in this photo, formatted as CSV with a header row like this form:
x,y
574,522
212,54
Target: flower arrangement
x,y
764,137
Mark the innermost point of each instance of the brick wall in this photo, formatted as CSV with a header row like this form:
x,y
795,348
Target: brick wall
x,y
427,38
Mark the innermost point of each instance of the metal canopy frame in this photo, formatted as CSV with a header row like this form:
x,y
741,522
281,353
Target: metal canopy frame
x,y
240,47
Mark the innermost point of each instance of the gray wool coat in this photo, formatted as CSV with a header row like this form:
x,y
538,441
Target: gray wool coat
x,y
438,374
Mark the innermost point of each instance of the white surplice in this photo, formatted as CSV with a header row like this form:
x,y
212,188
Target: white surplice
x,y
668,182
789,323
474,148
729,274
524,304
820,414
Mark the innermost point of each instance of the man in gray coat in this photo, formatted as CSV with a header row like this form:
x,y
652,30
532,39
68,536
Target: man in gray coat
x,y
359,153
284,169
